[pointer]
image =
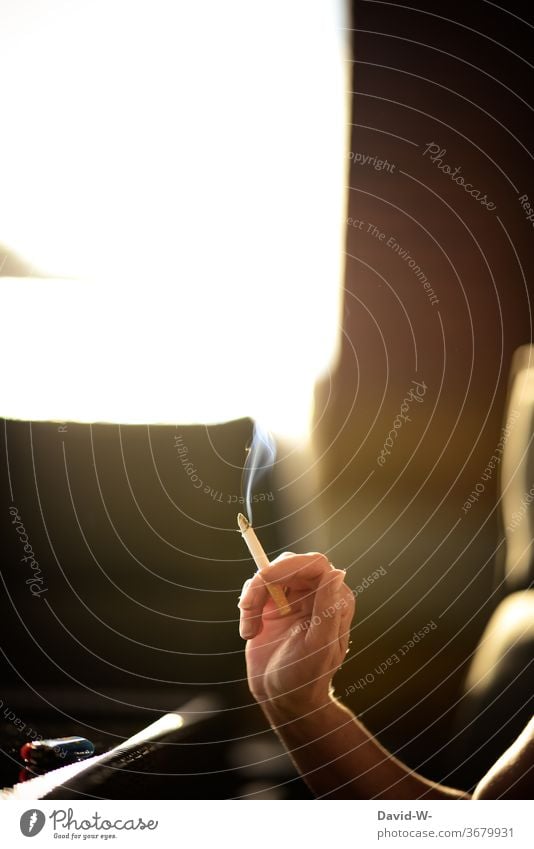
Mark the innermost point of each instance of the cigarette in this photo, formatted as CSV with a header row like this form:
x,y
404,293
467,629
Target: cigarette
x,y
262,562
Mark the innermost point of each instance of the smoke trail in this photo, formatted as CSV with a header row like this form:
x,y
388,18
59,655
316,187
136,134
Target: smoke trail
x,y
261,454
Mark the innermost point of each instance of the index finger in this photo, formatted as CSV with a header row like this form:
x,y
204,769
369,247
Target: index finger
x,y
298,571
295,571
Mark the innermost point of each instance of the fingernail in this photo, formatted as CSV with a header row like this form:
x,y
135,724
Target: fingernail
x,y
337,580
243,593
246,630
245,587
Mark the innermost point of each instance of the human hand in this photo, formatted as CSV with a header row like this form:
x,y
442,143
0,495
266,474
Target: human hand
x,y
291,659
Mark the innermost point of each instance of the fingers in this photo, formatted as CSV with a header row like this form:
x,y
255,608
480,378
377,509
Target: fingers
x,y
251,605
349,606
331,622
324,627
297,572
345,620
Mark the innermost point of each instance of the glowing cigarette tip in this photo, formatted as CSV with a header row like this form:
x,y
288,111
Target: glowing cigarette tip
x,y
243,523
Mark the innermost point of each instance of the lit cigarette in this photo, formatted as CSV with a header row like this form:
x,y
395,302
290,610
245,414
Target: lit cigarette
x,y
262,562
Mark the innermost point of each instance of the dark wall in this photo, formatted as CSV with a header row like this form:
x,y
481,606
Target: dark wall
x,y
458,76
142,567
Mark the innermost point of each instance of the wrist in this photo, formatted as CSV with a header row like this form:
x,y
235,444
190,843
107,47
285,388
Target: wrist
x,y
284,709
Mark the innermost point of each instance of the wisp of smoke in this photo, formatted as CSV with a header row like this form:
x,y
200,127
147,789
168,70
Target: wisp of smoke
x,y
261,454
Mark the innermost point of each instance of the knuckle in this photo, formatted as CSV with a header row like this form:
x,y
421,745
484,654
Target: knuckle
x,y
320,559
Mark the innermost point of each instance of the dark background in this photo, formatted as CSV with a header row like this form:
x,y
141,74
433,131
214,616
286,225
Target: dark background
x,y
143,571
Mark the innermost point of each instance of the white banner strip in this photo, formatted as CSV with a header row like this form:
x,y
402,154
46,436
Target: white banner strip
x,y
252,824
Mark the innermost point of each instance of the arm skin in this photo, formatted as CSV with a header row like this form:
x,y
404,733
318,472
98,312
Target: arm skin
x,y
290,664
512,776
340,759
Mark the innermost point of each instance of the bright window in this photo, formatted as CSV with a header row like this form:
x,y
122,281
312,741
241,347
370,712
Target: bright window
x,y
183,166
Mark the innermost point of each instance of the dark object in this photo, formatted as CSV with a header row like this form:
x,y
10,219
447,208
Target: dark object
x,y
52,753
498,695
138,756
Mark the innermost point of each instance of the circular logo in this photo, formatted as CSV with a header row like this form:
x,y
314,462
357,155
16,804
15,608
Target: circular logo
x,y
31,822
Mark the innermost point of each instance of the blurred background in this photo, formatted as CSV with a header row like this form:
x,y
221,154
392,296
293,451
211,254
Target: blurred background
x,y
218,216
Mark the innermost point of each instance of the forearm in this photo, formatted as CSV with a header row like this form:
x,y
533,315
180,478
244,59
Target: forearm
x,y
338,758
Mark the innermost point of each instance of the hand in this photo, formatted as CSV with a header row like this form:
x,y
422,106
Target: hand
x,y
291,659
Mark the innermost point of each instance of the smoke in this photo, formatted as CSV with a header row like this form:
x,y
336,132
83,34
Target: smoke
x,y
261,454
